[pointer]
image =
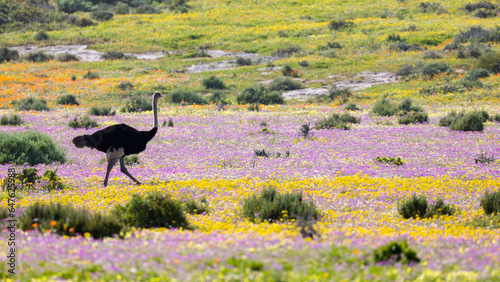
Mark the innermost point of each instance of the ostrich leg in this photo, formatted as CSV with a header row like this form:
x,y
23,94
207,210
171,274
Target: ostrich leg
x,y
111,163
124,170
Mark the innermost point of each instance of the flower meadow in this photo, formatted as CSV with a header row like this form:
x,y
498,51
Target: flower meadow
x,y
210,154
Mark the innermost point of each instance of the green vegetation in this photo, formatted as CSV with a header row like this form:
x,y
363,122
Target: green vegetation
x,y
31,104
257,93
391,160
337,121
490,202
29,147
85,122
68,99
154,209
472,121
13,120
186,97
137,104
273,206
101,111
213,82
395,252
196,207
417,207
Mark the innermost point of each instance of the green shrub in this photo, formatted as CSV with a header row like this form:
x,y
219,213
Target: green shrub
x,y
287,51
11,120
432,55
196,54
288,71
395,252
29,147
337,121
384,108
186,97
4,213
490,62
101,15
147,9
38,57
413,118
170,122
154,209
67,58
407,106
490,202
340,24
85,122
71,6
68,99
90,75
476,74
136,104
305,131
394,38
180,6
255,107
417,207
213,82
268,154
41,35
490,222
131,160
341,95
405,47
32,104
218,97
414,207
471,7
272,206
482,158
257,94
351,107
284,83
124,85
84,22
472,121
113,55
443,88
53,182
101,111
28,177
243,62
433,69
304,64
475,34
121,9
391,160
68,221
450,118
7,55
473,50
484,13
194,207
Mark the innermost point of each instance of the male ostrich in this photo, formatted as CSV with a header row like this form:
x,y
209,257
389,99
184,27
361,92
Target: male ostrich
x,y
120,140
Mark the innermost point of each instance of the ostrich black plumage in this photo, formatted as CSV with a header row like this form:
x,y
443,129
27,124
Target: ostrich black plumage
x,y
120,140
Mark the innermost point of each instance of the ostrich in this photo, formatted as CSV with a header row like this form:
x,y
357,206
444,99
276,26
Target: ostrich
x,y
120,140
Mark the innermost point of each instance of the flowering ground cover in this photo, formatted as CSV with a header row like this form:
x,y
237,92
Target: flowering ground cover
x,y
210,154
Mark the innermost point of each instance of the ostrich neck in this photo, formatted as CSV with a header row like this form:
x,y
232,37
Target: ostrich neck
x,y
155,112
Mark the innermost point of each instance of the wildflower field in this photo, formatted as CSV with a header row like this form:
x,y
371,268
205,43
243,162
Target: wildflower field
x,y
223,151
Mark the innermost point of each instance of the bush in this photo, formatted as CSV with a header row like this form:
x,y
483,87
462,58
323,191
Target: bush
x,y
341,95
29,147
67,220
394,38
304,64
340,24
432,55
32,104
7,55
284,83
186,97
68,99
475,51
490,62
484,14
258,94
11,120
288,71
84,22
417,207
391,160
272,206
113,55
218,98
136,104
71,6
121,9
38,57
180,6
85,122
213,82
101,15
482,158
470,122
147,9
384,108
336,121
243,62
41,35
90,75
287,51
413,118
490,202
434,69
475,34
407,106
154,209
101,111
471,7
193,207
53,182
395,252
405,47
442,88
131,160
476,74
351,107
305,131
67,57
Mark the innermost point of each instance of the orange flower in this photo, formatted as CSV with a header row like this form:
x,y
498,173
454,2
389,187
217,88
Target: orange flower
x,y
72,230
53,223
35,225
